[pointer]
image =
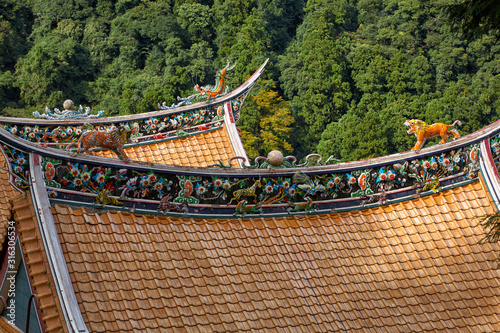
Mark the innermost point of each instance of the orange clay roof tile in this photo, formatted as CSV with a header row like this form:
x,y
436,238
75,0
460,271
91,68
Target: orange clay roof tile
x,y
202,149
412,266
7,193
37,263
5,327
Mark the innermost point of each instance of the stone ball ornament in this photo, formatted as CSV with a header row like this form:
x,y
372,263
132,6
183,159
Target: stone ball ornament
x,y
275,158
68,105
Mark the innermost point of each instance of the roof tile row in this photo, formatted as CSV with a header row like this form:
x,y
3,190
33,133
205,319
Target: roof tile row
x,y
403,267
37,263
7,192
199,150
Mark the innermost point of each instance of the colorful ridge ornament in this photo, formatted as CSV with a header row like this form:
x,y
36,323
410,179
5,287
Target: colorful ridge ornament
x,y
423,131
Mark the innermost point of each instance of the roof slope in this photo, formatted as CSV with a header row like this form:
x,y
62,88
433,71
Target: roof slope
x,y
200,150
410,266
35,255
7,193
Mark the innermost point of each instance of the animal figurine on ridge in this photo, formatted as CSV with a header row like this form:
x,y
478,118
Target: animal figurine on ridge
x,y
246,192
104,198
113,140
214,91
242,208
423,131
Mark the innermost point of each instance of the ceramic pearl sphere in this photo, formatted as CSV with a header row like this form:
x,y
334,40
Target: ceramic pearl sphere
x,y
68,105
275,157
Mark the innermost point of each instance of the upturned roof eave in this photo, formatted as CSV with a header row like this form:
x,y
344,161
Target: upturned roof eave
x,y
246,86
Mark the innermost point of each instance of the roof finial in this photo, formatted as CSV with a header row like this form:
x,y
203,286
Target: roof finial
x,y
275,158
68,105
69,112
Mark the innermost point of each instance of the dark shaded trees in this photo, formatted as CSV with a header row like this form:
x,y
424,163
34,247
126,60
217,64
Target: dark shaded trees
x,y
475,18
314,73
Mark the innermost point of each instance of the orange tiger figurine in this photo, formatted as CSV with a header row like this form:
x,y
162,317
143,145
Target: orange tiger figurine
x,y
113,140
423,131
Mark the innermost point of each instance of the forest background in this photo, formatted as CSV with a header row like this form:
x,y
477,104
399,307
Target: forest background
x,y
342,78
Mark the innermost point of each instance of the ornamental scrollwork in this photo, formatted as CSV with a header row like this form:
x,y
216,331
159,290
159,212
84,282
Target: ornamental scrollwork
x,y
67,113
161,127
293,191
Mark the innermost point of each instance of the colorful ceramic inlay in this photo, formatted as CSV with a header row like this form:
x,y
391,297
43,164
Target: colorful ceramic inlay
x,y
296,192
153,127
18,166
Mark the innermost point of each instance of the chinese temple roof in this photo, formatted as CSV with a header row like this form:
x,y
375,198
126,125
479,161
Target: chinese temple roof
x,y
406,267
385,244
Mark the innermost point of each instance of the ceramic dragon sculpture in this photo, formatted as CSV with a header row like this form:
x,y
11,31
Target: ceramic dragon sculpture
x,y
220,84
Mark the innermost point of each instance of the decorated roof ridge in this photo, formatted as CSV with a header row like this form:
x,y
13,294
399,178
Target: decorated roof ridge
x,y
149,133
69,112
107,183
206,92
143,127
489,131
93,180
241,90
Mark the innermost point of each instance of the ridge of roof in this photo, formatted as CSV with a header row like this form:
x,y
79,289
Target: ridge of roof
x,y
473,138
147,129
215,192
52,249
241,90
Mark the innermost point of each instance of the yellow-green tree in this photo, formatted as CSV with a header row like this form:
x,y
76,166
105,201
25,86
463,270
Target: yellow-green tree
x,y
266,124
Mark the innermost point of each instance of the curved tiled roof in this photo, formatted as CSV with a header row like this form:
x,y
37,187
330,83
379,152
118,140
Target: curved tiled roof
x,y
385,244
200,150
405,267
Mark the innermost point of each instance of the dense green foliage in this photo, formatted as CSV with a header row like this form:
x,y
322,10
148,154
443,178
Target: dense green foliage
x,y
343,75
475,18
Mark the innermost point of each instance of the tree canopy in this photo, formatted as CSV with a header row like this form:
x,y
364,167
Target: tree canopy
x,y
475,18
343,75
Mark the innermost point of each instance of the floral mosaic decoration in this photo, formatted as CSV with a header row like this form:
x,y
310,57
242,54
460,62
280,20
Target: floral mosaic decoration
x,y
124,183
63,135
300,190
18,165
358,183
